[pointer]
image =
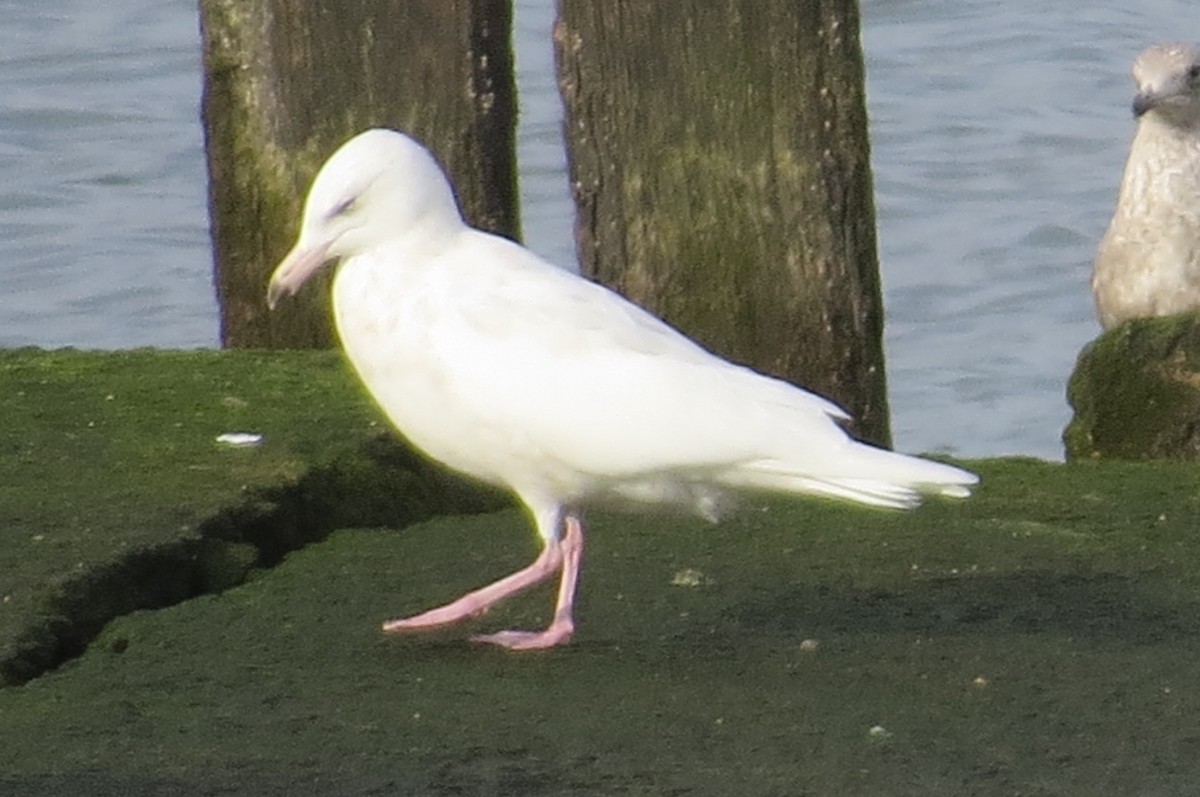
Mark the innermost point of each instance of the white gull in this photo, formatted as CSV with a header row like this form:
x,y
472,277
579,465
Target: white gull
x,y
505,367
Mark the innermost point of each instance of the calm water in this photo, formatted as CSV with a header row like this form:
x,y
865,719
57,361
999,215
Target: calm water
x,y
998,134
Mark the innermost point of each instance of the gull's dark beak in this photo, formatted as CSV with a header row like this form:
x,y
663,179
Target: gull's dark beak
x,y
1143,102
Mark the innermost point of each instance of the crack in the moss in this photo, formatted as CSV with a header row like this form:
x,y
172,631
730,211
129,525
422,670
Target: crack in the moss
x,y
383,483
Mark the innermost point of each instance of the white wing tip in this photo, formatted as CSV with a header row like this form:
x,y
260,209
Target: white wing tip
x,y
955,491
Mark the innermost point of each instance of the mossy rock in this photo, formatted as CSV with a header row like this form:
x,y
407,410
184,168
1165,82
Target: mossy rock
x,y
1136,392
115,495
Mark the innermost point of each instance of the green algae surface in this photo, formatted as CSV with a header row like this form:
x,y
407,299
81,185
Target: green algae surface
x,y
1039,638
115,494
1134,392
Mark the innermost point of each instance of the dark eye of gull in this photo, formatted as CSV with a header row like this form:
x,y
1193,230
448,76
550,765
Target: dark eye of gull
x,y
343,207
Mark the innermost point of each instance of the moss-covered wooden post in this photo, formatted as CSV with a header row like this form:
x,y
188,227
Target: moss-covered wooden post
x,y
720,165
285,83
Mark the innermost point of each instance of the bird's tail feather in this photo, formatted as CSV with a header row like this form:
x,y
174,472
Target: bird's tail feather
x,y
881,478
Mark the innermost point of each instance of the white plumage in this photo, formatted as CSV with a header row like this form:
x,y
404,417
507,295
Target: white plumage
x,y
514,371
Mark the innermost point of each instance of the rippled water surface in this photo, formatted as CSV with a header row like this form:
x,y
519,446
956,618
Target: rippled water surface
x,y
998,135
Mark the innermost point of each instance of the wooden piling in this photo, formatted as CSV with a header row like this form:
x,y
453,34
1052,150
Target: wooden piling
x,y
285,83
721,169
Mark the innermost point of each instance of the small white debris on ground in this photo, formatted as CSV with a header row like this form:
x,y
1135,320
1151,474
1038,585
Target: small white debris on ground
x,y
240,439
688,578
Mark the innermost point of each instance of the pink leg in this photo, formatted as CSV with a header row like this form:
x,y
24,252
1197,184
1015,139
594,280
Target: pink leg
x,y
563,626
479,601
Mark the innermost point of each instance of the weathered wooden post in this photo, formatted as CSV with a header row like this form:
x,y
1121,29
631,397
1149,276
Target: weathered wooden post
x,y
721,171
286,82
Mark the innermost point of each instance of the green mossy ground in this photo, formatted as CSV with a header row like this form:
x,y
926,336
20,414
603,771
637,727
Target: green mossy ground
x,y
1040,638
115,495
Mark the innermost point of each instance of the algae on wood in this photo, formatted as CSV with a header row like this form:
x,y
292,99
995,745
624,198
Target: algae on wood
x,y
286,83
720,165
1135,391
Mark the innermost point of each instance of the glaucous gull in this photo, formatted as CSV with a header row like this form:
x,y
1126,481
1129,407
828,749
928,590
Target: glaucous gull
x,y
505,367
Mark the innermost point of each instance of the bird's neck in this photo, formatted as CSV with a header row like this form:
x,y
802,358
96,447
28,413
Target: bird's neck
x,y
1164,164
430,233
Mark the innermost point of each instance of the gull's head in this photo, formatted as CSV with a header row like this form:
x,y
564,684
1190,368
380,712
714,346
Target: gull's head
x,y
379,186
1168,83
